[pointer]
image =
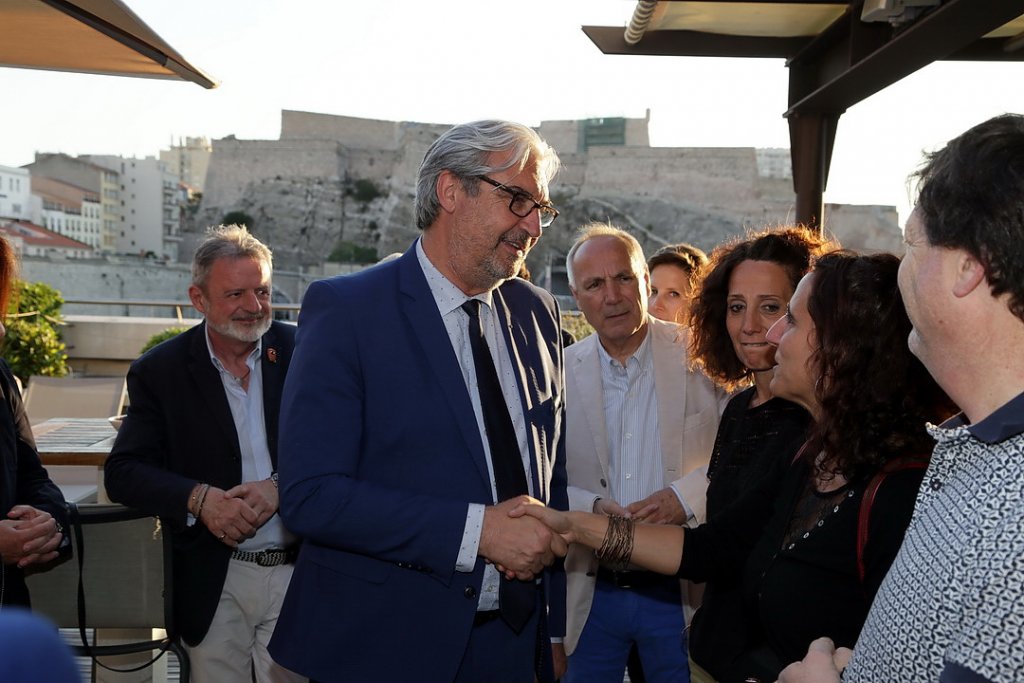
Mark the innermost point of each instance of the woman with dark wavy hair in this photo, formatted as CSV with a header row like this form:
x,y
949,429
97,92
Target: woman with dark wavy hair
x,y
811,554
744,290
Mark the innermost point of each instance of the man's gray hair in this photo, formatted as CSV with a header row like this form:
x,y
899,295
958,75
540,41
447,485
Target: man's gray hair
x,y
226,241
598,229
465,151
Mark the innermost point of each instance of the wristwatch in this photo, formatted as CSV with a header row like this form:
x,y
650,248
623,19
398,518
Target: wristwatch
x,y
273,478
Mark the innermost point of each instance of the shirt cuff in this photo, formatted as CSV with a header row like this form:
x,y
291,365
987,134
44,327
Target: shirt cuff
x,y
470,546
682,501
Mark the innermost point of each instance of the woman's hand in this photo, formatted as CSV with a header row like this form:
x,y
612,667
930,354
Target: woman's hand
x,y
556,520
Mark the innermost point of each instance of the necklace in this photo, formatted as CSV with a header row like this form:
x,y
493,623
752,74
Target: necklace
x,y
241,378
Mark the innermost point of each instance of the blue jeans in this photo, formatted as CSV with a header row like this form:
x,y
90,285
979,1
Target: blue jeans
x,y
652,617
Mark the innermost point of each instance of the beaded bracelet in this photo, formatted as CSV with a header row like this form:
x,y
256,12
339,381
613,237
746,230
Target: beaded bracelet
x,y
617,546
202,499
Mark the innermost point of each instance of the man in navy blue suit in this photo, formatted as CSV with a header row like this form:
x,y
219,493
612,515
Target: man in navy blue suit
x,y
411,568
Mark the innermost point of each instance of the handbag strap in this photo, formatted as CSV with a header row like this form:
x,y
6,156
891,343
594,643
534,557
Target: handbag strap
x,y
908,462
76,525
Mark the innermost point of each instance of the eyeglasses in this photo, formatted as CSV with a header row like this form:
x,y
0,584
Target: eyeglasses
x,y
521,203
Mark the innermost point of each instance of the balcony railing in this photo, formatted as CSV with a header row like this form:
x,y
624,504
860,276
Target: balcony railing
x,y
182,309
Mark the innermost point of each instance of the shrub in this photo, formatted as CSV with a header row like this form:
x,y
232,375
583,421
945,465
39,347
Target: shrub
x,y
365,191
349,252
237,218
37,297
32,345
161,337
33,348
577,324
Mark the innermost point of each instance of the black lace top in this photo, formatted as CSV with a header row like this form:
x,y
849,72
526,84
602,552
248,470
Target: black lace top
x,y
753,446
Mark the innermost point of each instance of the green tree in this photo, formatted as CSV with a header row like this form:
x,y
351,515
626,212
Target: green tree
x,y
32,345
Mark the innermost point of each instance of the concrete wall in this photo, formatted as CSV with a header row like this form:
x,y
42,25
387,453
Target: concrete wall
x,y
868,228
105,345
139,280
712,176
352,131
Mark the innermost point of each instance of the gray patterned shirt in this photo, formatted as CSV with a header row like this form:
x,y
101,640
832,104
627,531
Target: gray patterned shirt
x,y
954,597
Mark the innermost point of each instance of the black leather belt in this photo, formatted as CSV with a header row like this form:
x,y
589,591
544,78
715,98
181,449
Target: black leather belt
x,y
636,579
485,617
267,558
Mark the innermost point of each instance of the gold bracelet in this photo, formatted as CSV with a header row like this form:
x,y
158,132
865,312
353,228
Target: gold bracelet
x,y
194,497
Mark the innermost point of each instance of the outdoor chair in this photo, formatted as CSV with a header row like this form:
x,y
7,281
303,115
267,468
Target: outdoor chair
x,y
119,578
49,397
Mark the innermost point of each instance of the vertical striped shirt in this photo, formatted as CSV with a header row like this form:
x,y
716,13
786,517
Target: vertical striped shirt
x,y
631,416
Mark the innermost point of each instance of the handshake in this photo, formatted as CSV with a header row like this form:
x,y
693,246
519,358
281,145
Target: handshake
x,y
521,536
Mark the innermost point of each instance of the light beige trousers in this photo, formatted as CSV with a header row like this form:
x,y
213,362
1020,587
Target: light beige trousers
x,y
236,644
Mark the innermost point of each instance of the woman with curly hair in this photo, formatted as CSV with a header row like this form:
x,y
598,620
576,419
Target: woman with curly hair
x,y
744,290
812,553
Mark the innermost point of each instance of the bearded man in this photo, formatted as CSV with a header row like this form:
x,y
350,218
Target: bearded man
x,y
198,448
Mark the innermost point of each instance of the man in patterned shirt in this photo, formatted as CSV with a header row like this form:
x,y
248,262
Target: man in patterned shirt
x,y
952,606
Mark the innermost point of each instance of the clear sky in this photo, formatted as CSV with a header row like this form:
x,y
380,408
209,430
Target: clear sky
x,y
456,60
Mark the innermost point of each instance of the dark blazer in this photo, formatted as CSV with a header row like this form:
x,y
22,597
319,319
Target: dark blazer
x,y
179,431
23,481
380,456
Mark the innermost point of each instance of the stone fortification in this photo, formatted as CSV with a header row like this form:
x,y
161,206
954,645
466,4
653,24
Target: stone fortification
x,y
237,163
333,179
351,131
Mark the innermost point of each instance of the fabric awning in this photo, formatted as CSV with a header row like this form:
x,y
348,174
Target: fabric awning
x,y
89,36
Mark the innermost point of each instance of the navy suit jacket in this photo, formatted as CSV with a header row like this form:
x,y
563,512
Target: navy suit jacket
x,y
380,457
179,431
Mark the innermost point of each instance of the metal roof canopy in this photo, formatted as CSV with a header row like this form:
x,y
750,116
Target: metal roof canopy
x,y
835,59
89,36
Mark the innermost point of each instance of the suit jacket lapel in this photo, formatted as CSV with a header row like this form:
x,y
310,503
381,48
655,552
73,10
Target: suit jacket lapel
x,y
272,367
515,337
670,383
429,332
588,377
211,389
